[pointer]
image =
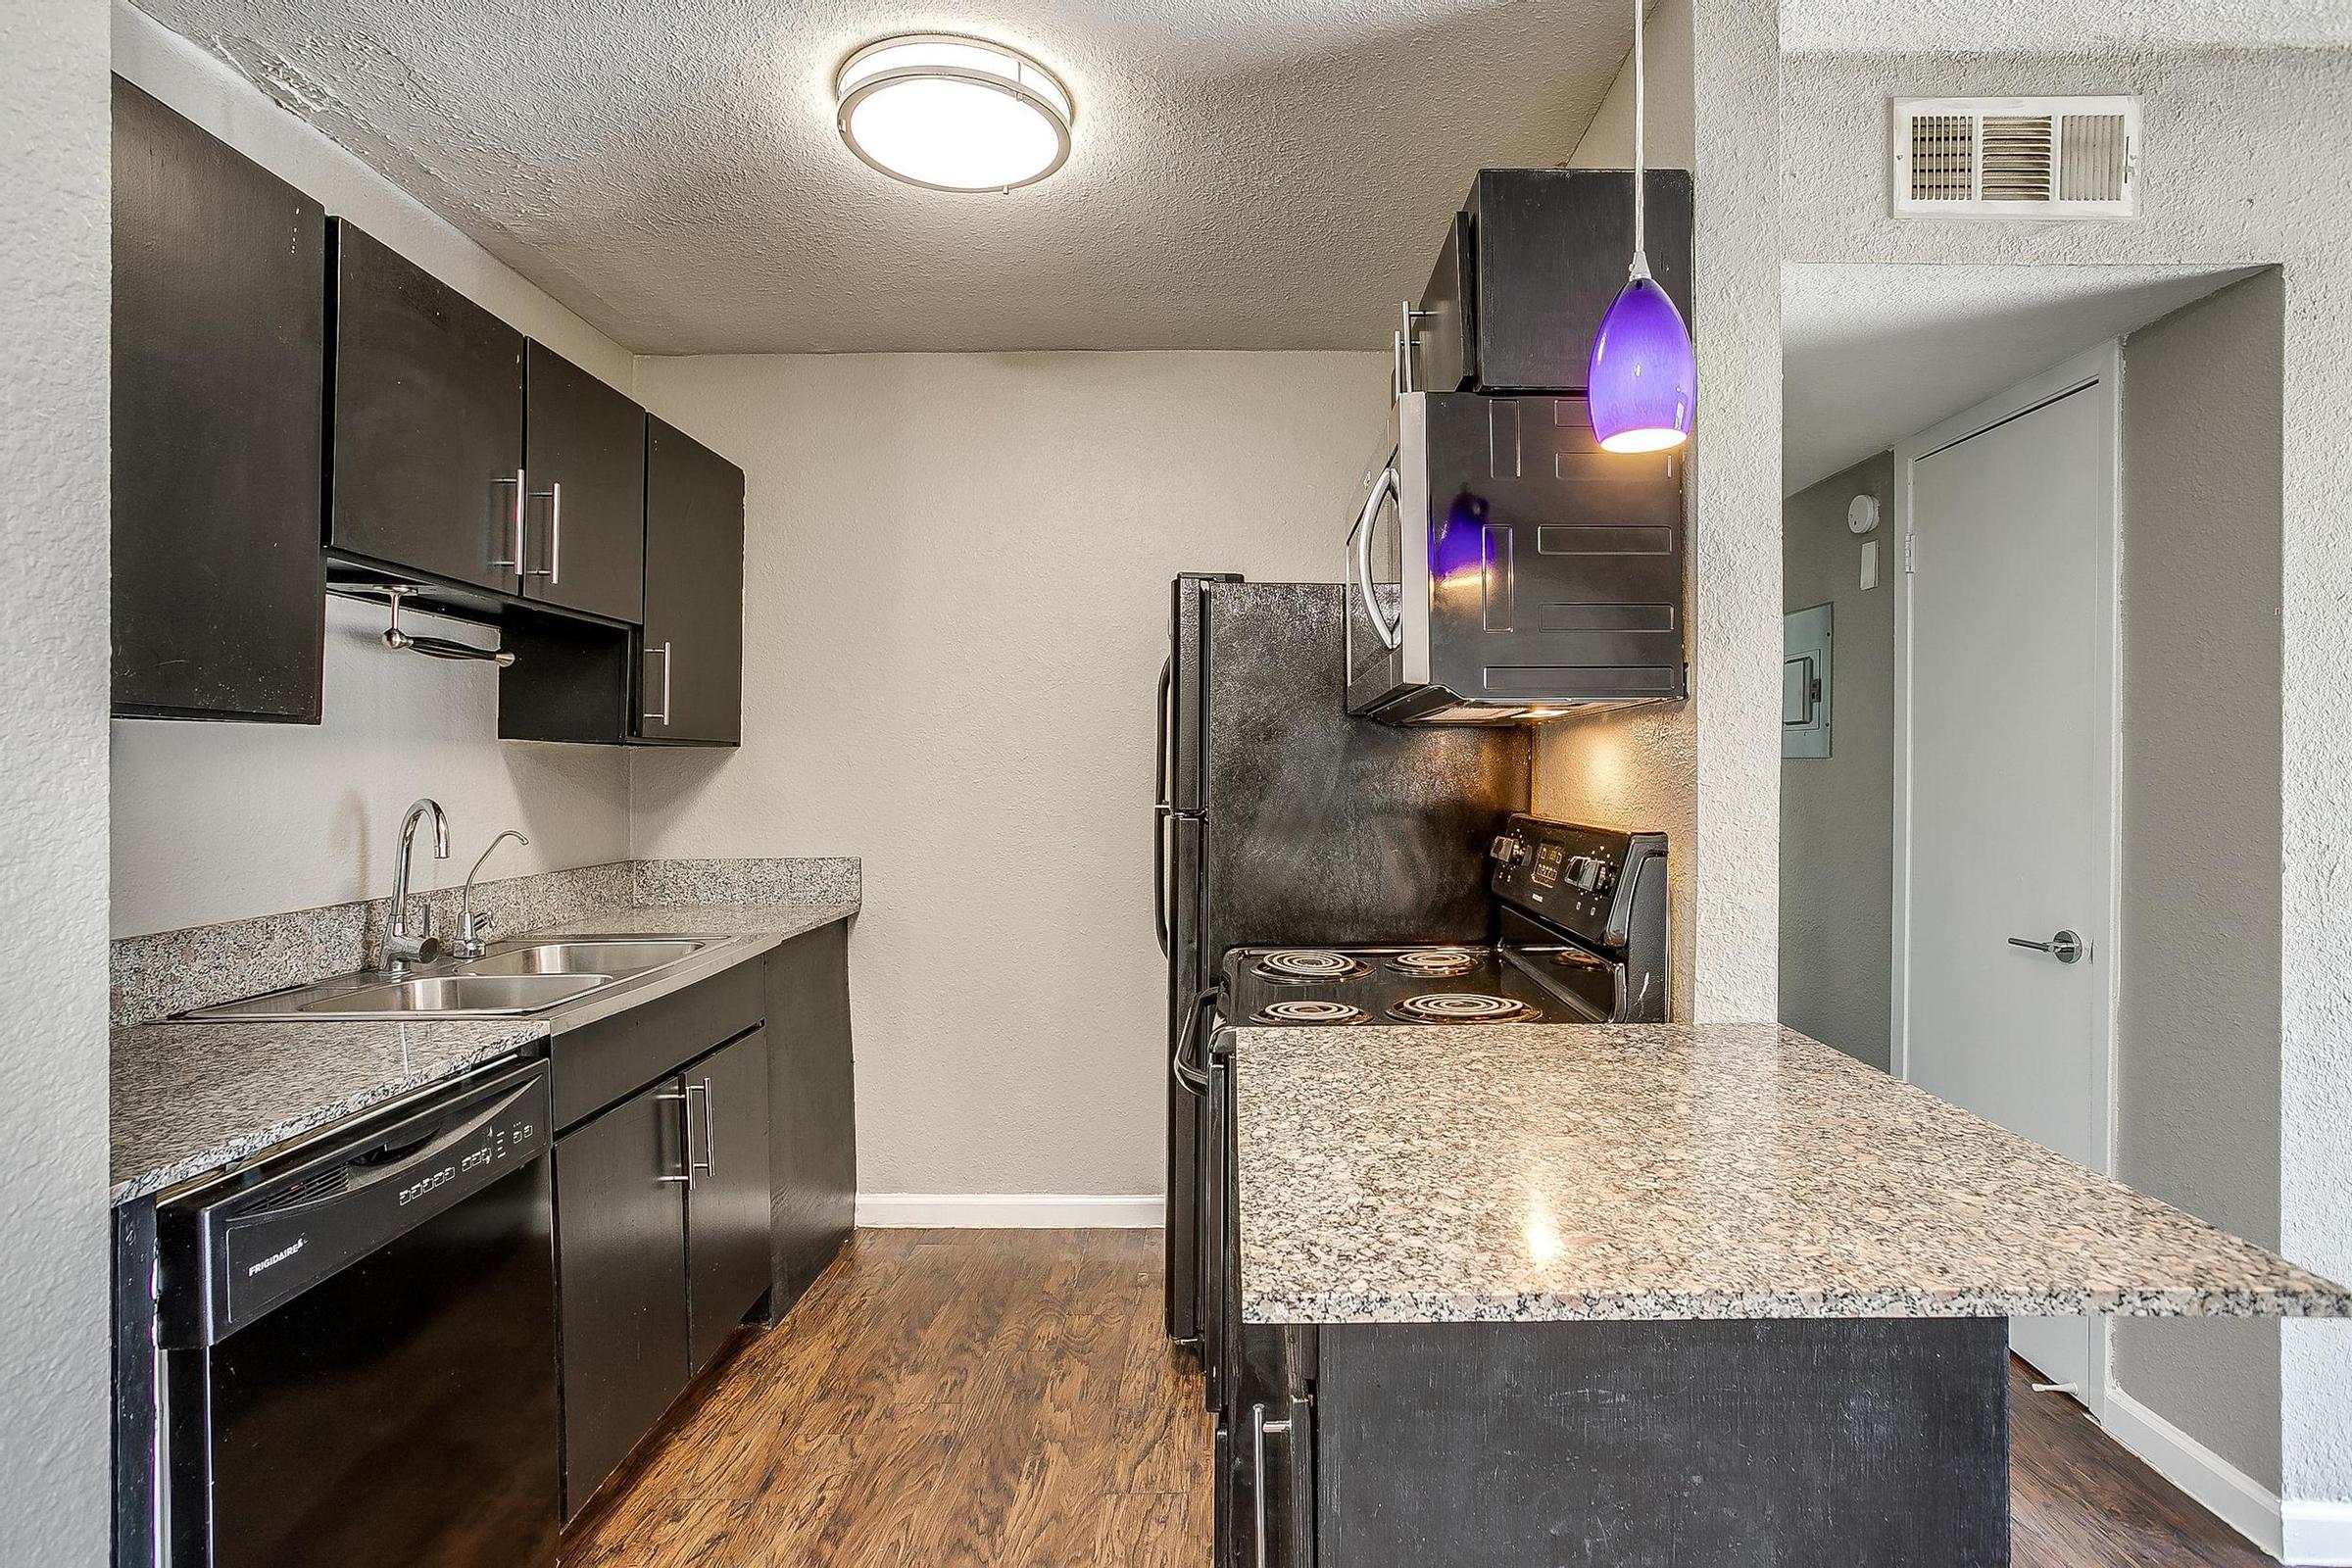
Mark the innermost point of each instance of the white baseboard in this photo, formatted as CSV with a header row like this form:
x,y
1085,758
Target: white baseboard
x,y
2319,1535
1011,1210
2237,1499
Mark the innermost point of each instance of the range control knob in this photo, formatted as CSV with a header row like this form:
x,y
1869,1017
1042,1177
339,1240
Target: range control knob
x,y
1585,875
1510,848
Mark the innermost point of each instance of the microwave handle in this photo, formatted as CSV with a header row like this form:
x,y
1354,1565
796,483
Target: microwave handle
x,y
1361,539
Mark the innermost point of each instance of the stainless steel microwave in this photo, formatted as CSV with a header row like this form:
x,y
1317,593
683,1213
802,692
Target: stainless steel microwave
x,y
1503,568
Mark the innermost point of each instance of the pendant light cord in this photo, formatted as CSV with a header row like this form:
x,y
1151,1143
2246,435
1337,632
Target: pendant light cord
x,y
1641,266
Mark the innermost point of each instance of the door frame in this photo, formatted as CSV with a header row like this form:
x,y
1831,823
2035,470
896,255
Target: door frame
x,y
2094,373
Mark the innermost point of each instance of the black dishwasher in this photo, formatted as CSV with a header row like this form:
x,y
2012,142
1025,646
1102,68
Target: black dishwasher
x,y
358,1358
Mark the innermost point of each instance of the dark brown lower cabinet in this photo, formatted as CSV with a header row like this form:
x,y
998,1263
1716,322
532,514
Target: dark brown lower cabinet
x,y
726,1204
812,1106
620,1267
1840,1442
727,1181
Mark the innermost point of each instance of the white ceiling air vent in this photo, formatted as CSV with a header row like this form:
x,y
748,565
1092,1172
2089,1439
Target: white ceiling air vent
x,y
2044,157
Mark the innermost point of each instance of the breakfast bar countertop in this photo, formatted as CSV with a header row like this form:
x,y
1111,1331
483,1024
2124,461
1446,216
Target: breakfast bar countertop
x,y
1663,1171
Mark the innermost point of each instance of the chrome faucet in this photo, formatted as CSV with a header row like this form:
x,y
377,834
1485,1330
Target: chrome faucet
x,y
472,926
402,946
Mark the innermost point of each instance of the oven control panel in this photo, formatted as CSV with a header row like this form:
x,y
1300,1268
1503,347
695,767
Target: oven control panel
x,y
1575,876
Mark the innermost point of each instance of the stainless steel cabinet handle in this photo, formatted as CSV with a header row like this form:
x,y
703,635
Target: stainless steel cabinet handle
x,y
2067,947
523,494
685,1136
1361,538
553,572
662,718
708,1162
1259,1429
1407,340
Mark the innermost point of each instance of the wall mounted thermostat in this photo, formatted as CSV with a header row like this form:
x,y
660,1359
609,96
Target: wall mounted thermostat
x,y
1862,514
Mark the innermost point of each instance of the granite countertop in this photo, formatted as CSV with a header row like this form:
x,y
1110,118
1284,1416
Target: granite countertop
x,y
1661,1171
190,1099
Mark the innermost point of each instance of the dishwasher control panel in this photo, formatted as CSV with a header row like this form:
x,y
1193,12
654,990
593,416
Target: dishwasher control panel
x,y
240,1248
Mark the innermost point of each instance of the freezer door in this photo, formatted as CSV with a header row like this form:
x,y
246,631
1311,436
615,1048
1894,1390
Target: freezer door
x,y
1181,892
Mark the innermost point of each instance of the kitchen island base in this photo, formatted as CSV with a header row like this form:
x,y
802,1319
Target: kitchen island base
x,y
1729,1443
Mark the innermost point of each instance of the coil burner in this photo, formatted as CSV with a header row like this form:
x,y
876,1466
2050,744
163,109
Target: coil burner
x,y
1462,1006
1308,1010
1434,963
1307,964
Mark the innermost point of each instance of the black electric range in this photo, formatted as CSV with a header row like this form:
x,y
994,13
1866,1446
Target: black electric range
x,y
1580,921
1578,936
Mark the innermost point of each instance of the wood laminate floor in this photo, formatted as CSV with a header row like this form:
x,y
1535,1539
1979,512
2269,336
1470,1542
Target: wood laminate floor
x,y
1004,1400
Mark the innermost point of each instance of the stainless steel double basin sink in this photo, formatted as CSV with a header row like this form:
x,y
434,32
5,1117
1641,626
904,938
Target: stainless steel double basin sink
x,y
512,979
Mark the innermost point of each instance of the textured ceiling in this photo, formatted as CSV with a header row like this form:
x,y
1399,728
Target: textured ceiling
x,y
1248,173
1873,354
2058,27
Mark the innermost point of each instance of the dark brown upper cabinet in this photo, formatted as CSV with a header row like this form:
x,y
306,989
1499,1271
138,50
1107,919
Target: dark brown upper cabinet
x,y
690,664
220,359
1530,266
584,457
427,467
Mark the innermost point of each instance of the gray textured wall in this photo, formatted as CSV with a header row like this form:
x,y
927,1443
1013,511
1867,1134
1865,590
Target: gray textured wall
x,y
1836,812
53,420
2199,1031
2252,173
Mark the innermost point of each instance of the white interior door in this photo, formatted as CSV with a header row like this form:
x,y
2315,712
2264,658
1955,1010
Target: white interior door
x,y
2009,809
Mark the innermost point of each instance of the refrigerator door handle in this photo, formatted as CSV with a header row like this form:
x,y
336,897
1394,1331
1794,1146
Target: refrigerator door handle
x,y
1160,807
1188,1072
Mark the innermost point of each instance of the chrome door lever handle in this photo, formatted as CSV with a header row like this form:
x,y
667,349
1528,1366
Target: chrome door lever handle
x,y
2067,947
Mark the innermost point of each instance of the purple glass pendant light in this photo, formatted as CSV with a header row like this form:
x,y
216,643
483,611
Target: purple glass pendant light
x,y
1644,378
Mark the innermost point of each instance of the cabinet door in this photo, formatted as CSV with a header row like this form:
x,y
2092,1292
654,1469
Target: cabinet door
x,y
1445,346
428,423
620,1251
219,368
690,679
812,1106
1549,248
585,458
726,1208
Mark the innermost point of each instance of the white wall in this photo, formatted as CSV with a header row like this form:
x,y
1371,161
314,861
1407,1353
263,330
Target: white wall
x,y
53,641
957,605
219,821
1707,770
2242,168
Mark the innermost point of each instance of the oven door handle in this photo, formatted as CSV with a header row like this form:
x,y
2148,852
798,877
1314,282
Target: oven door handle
x,y
1391,636
1187,1070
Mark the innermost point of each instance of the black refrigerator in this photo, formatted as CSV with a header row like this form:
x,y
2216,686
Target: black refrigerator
x,y
1282,821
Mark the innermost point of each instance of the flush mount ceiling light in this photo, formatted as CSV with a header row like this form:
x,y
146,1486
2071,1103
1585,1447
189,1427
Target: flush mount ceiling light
x,y
948,112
